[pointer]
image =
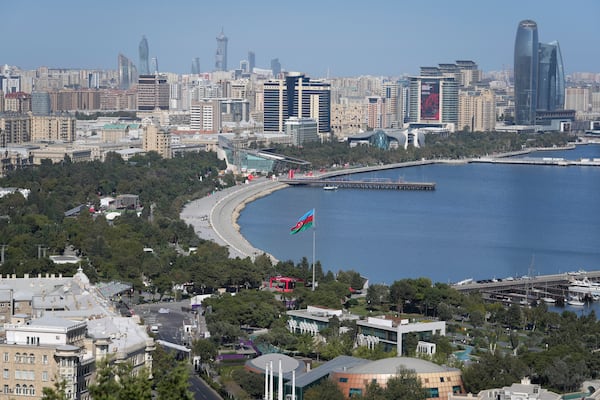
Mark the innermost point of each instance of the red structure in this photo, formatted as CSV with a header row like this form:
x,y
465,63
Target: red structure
x,y
283,284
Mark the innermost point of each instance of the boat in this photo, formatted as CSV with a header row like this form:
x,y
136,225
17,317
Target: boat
x,y
548,300
330,187
576,303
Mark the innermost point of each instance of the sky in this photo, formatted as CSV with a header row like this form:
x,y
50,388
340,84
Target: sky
x,y
318,37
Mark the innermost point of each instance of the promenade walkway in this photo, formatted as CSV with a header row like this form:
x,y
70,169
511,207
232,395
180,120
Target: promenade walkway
x,y
214,217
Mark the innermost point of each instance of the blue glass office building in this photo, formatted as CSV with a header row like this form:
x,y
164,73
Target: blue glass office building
x,y
526,72
143,53
551,78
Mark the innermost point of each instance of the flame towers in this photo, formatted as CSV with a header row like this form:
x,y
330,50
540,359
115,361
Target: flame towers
x,y
539,75
526,72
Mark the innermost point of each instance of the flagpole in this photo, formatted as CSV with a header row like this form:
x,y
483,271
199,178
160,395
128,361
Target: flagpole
x,y
314,245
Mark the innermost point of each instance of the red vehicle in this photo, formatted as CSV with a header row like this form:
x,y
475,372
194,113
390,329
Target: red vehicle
x,y
283,284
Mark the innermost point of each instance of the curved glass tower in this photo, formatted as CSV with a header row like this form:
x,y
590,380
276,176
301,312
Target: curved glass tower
x,y
551,85
526,72
143,52
221,55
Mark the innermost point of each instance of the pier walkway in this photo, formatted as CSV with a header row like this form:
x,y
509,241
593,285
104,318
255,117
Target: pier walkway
x,y
555,286
360,184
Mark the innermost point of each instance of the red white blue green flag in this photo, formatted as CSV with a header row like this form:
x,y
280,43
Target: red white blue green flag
x,y
305,222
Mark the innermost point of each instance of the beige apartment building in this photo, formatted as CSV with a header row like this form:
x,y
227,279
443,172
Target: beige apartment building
x,y
157,139
477,110
59,128
14,128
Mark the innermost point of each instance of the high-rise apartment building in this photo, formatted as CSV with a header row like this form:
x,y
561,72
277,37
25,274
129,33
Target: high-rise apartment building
x,y
376,112
143,56
18,102
221,54
205,115
153,93
296,96
158,140
58,128
14,128
433,100
477,110
526,72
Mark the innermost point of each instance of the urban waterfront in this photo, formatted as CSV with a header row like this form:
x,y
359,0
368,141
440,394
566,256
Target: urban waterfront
x,y
482,221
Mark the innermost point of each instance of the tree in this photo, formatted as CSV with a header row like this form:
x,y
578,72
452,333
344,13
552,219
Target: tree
x,y
55,393
174,385
118,382
327,389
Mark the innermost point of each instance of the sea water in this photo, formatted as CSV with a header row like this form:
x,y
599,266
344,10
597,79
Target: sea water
x,y
483,221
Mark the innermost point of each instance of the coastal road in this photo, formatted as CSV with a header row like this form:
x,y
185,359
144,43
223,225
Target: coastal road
x,y
214,217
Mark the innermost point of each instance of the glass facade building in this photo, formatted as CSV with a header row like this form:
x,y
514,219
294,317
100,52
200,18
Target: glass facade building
x,y
143,53
551,84
526,72
221,54
296,96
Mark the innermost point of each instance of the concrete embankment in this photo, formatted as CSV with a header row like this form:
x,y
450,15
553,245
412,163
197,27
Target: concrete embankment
x,y
215,217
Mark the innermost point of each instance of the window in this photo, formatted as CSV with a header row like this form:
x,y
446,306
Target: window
x,y
31,390
441,379
45,376
355,392
6,373
45,359
434,393
5,390
31,358
343,380
455,389
5,356
17,357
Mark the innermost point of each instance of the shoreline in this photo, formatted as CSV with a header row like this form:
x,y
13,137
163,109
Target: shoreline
x,y
215,217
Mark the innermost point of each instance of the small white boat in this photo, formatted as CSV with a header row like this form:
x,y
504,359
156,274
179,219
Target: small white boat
x,y
330,187
548,300
576,303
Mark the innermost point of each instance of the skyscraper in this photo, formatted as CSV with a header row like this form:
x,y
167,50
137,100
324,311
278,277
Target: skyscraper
x,y
195,66
152,93
127,72
251,61
551,84
154,65
433,100
526,72
221,55
143,53
276,67
296,96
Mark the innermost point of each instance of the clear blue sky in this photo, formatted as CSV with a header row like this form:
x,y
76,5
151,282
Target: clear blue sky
x,y
346,37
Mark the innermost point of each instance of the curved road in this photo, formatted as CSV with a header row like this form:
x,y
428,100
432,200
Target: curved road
x,y
214,217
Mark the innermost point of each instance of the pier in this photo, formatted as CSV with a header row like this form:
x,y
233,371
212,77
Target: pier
x,y
526,290
378,184
549,161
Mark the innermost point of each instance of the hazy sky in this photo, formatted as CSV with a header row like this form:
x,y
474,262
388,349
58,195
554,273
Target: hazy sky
x,y
344,37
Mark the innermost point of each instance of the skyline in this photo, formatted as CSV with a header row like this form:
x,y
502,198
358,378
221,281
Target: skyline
x,y
319,38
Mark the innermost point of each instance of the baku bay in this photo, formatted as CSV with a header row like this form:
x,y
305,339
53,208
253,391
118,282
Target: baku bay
x,y
482,221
